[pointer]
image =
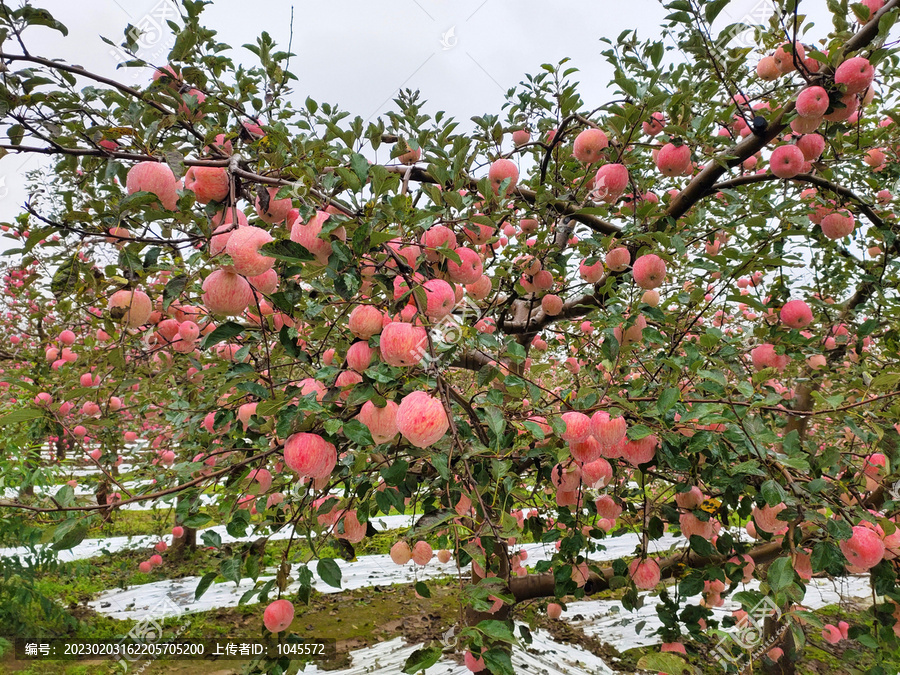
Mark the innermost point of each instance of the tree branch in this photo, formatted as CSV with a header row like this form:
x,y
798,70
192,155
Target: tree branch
x,y
818,181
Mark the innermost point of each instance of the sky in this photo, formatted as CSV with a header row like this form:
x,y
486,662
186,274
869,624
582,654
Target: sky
x,y
462,54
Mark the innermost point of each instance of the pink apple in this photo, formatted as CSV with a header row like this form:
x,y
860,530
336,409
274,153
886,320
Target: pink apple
x,y
276,211
588,146
156,178
208,183
422,553
225,292
310,455
468,270
501,170
787,161
645,574
649,271
856,74
838,224
673,160
421,419
403,344
400,553
864,549
552,304
278,616
243,247
131,306
610,182
365,321
618,259
796,314
812,102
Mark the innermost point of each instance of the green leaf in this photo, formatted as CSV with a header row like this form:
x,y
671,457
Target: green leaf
x,y
422,589
211,538
304,578
358,432
65,279
395,473
498,662
867,640
230,569
638,432
226,331
496,422
839,529
701,546
237,526
535,429
287,250
204,584
175,160
666,663
360,166
422,659
15,133
71,536
497,630
826,557
772,492
329,571
885,380
712,9
254,388
184,42
197,520
781,574
666,400
174,289
41,17
21,415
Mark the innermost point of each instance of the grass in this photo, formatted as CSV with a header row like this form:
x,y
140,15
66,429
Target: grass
x,y
354,619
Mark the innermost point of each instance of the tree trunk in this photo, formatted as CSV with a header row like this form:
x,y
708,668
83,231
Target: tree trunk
x,y
472,617
32,462
786,665
185,544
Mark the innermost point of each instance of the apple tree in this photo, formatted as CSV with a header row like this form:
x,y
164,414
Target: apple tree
x,y
672,312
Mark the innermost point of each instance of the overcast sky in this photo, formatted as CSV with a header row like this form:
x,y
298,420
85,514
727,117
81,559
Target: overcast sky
x,y
462,54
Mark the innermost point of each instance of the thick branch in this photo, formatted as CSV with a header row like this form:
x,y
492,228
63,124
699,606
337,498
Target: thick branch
x,y
559,206
472,360
78,70
818,181
544,585
704,181
142,498
574,308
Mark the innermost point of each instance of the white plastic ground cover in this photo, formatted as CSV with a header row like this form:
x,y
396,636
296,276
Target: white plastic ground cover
x,y
543,656
148,505
90,548
608,621
80,491
174,597
140,602
91,470
604,619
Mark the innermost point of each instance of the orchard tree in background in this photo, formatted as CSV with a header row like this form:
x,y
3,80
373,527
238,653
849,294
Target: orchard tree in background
x,y
673,312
